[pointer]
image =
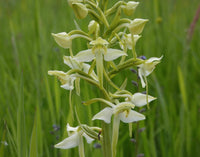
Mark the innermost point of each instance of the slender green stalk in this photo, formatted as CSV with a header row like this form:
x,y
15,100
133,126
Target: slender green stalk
x,y
115,134
106,131
81,148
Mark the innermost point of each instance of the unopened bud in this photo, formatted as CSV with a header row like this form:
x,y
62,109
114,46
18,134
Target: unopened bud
x,y
130,7
80,10
74,1
93,27
137,26
63,39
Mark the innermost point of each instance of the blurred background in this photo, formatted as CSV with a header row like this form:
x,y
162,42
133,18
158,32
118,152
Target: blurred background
x,y
34,110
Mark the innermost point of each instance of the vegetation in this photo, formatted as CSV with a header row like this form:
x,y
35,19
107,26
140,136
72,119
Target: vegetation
x,y
33,109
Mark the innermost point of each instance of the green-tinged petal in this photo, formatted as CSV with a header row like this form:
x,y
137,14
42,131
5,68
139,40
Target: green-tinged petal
x,y
99,41
86,68
67,81
85,56
71,62
63,39
141,78
149,65
88,139
152,59
104,115
113,54
130,117
139,99
71,129
57,73
70,142
120,107
69,85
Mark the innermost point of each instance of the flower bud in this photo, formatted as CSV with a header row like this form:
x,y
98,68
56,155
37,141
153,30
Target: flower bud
x,y
63,39
130,7
80,10
137,26
74,1
93,27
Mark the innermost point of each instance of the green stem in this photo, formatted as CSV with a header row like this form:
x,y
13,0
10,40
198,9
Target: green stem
x,y
106,131
147,91
106,128
115,134
81,147
71,53
133,46
99,67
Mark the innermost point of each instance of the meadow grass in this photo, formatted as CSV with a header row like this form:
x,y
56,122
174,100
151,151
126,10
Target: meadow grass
x,y
31,102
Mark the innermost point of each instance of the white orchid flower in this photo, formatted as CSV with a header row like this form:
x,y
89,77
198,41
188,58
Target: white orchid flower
x,y
147,67
67,81
100,52
122,112
75,139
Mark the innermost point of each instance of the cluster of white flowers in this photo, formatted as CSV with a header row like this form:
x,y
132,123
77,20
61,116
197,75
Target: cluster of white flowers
x,y
102,35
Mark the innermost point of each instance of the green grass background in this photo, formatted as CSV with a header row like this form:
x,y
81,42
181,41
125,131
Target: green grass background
x,y
31,102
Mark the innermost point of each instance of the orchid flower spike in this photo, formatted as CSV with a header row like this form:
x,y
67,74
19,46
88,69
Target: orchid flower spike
x,y
147,68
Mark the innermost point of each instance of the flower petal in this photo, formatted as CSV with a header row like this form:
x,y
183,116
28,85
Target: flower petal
x,y
139,99
88,139
141,78
113,54
152,59
104,115
85,56
70,142
71,62
133,116
73,129
86,68
57,73
69,83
